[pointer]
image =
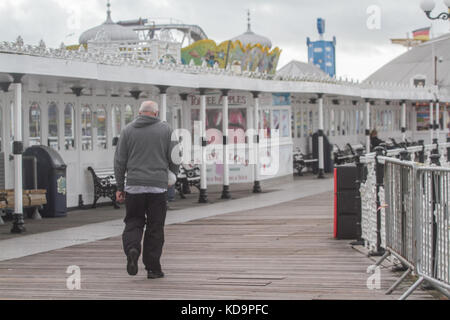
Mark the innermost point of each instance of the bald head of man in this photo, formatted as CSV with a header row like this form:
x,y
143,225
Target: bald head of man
x,y
149,109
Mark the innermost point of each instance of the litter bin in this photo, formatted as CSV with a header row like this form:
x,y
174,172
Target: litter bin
x,y
327,152
347,204
51,176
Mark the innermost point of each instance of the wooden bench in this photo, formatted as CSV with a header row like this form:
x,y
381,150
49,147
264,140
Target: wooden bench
x,y
302,161
104,185
31,200
189,176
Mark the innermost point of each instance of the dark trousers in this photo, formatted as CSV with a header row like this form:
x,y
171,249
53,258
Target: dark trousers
x,y
149,210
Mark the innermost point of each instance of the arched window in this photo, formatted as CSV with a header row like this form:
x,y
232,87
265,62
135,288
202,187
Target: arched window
x,y
34,125
86,128
69,127
305,123
129,114
101,128
53,140
116,121
299,122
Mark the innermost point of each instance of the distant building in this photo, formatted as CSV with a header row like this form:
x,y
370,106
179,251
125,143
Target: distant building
x,y
322,53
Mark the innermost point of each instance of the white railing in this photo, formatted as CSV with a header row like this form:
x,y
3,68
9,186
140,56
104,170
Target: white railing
x,y
119,59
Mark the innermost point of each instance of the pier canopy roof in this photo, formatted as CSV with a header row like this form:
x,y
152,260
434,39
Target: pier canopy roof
x,y
296,68
109,31
416,67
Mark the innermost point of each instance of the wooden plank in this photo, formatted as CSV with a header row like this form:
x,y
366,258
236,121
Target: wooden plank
x,y
280,252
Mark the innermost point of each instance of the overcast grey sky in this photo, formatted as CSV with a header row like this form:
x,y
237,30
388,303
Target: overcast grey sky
x,y
360,50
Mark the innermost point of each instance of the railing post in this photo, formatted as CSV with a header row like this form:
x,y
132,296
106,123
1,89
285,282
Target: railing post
x,y
404,155
359,181
422,152
379,170
448,150
435,159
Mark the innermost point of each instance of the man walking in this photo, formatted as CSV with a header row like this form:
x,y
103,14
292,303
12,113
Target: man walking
x,y
144,155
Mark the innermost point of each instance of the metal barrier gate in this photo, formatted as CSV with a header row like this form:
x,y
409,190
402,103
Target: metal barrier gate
x,y
433,228
405,213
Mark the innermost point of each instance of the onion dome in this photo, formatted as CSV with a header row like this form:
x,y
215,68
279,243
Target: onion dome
x,y
109,31
251,38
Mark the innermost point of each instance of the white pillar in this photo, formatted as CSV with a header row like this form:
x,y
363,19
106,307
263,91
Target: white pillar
x,y
61,127
321,151
445,125
256,183
367,126
437,127
226,172
185,113
203,198
163,108
403,121
431,122
18,188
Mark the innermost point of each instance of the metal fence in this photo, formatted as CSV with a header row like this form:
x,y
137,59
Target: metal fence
x,y
432,227
405,213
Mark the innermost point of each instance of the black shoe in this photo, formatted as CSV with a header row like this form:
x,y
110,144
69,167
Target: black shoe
x,y
132,265
154,275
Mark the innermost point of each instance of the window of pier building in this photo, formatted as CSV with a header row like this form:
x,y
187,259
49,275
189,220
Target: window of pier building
x,y
129,114
53,137
69,127
101,120
34,125
116,121
86,128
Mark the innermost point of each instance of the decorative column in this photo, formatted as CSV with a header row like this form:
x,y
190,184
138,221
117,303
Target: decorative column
x,y
226,171
367,125
203,198
61,126
185,112
436,122
256,183
445,124
321,151
18,224
77,91
403,120
431,122
163,107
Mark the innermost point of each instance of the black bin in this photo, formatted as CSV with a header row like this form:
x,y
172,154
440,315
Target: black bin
x,y
327,151
347,224
51,176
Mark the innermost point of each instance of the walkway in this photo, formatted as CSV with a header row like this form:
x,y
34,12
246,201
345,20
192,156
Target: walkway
x,y
276,246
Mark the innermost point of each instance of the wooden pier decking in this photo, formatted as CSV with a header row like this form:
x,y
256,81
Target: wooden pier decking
x,y
279,252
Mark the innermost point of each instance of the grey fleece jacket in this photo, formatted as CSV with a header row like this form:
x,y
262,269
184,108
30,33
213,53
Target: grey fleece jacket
x,y
144,154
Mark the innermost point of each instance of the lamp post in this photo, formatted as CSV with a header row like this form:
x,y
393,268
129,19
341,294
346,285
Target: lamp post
x,y
428,6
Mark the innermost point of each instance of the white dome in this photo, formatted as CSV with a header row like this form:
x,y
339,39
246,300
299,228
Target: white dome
x,y
251,38
108,31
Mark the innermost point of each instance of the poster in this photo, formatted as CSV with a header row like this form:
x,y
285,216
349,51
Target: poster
x,y
276,119
281,99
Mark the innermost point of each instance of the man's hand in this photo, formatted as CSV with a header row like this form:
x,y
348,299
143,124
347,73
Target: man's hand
x,y
120,196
